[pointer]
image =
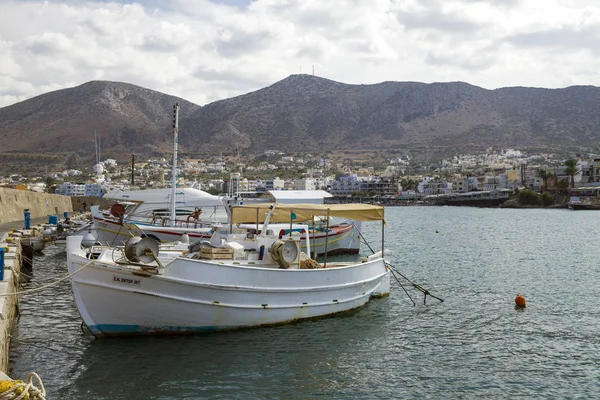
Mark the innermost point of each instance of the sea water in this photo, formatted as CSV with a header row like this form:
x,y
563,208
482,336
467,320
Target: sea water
x,y
475,344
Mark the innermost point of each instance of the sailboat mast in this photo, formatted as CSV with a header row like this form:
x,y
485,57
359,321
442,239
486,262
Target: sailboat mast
x,y
174,172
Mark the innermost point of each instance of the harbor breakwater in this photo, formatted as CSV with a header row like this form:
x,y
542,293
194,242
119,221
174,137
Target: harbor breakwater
x,y
13,202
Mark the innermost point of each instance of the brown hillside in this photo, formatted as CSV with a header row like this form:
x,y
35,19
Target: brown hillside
x,y
307,113
127,118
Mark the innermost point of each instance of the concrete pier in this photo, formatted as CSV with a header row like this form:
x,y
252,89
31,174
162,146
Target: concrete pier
x,y
12,236
9,305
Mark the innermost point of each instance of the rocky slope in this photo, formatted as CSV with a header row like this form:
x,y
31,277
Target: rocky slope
x,y
304,113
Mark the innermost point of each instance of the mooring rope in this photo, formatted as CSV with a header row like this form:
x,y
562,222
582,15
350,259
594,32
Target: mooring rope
x,y
415,285
39,289
394,271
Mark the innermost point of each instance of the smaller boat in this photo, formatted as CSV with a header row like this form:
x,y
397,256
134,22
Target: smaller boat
x,y
246,278
117,225
57,233
487,198
583,203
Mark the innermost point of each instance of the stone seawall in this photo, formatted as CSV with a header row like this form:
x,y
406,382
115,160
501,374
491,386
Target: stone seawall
x,y
13,202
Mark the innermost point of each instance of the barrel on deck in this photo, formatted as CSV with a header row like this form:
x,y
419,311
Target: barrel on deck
x,y
53,219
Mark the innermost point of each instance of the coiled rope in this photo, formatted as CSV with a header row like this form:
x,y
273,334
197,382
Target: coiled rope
x,y
17,390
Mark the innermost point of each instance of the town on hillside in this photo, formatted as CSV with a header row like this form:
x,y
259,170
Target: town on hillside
x,y
392,181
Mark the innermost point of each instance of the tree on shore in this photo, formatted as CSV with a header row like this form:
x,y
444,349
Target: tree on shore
x,y
528,197
571,170
544,175
408,184
563,186
547,199
50,185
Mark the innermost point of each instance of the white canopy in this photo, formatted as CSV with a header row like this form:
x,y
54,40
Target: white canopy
x,y
256,213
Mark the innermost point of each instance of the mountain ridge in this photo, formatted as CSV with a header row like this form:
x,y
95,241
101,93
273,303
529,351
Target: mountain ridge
x,y
305,113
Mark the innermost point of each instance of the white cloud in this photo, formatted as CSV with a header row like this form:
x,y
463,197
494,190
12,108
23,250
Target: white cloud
x,y
205,50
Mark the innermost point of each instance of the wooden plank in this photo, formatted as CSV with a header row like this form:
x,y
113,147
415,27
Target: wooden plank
x,y
210,256
215,250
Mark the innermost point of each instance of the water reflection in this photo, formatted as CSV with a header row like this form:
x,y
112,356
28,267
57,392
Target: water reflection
x,y
249,362
474,345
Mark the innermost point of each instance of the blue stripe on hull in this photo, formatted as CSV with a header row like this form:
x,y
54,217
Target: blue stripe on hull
x,y
133,330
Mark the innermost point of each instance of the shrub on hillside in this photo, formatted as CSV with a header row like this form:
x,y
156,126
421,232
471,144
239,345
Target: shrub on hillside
x,y
529,198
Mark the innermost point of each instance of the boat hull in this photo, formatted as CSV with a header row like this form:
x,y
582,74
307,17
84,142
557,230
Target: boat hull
x,y
586,206
197,296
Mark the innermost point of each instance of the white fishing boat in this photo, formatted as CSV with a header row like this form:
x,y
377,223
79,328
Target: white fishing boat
x,y
243,279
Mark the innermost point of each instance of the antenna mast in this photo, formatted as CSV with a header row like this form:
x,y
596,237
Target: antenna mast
x,y
174,172
96,147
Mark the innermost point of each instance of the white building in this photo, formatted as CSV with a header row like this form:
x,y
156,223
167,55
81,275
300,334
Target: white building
x,y
275,184
74,189
71,189
305,184
345,184
94,190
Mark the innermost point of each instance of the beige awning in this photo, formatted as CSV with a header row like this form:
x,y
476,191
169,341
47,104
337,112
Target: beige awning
x,y
250,213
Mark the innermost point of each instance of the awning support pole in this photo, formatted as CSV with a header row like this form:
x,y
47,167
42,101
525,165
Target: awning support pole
x,y
326,238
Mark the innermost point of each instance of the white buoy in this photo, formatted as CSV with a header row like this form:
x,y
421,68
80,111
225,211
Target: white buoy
x,y
185,238
88,240
38,244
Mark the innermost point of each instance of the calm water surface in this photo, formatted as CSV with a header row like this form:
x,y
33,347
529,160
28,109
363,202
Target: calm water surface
x,y
473,345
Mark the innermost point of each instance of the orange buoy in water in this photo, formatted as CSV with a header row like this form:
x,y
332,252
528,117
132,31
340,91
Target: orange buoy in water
x,y
520,301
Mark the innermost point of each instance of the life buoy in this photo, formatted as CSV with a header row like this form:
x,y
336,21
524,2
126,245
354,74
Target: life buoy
x,y
117,210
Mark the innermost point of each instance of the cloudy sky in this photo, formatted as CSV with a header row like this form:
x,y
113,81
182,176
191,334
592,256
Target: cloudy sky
x,y
207,50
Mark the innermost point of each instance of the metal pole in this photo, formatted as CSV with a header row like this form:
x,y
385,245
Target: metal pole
x,y
1,263
132,169
326,239
383,237
313,239
174,172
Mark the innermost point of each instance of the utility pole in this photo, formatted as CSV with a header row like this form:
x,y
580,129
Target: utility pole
x,y
132,169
